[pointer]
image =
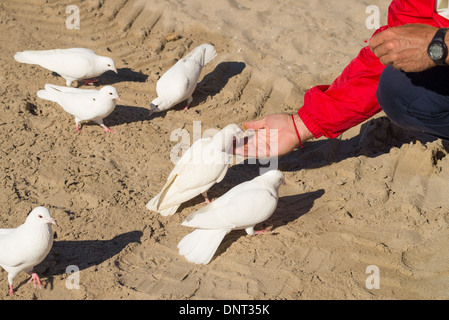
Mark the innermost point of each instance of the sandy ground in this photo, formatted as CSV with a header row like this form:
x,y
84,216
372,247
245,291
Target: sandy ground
x,y
377,196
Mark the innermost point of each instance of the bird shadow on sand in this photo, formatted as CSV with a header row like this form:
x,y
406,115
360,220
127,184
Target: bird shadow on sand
x,y
289,209
83,254
123,114
123,75
215,81
110,78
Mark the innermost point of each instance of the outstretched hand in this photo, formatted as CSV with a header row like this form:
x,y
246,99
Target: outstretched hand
x,y
274,135
404,47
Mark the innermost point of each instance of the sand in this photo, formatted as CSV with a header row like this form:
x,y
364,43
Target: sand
x,y
376,196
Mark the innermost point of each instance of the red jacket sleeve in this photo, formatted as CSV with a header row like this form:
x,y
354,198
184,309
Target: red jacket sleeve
x,y
348,101
330,110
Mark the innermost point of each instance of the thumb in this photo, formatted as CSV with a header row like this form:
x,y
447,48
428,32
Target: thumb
x,y
255,125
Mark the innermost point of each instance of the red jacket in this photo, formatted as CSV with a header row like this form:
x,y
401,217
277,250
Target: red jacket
x,y
351,98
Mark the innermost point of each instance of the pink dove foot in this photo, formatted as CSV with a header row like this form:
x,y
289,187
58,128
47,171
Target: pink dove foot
x,y
36,280
107,130
89,82
263,232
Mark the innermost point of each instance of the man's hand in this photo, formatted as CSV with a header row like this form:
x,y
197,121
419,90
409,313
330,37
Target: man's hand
x,y
404,47
275,136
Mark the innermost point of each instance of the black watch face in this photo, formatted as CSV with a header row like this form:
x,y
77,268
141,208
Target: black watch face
x,y
436,51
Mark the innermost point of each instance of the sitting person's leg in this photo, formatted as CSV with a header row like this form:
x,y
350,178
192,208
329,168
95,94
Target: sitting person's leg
x,y
417,101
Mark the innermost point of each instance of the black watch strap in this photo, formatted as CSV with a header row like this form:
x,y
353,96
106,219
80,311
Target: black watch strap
x,y
438,40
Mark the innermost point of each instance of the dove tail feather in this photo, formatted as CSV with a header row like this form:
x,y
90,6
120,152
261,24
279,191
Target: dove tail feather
x,y
44,94
23,57
153,206
169,211
5,231
209,54
200,246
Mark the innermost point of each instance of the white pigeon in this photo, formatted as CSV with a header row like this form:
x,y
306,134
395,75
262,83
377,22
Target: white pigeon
x,y
83,104
242,207
201,166
24,247
179,82
71,64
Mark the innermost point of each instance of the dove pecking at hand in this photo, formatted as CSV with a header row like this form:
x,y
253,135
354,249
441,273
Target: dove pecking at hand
x,y
242,207
24,247
83,104
73,64
204,164
179,82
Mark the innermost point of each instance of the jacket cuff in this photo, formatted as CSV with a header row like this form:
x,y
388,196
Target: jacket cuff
x,y
308,122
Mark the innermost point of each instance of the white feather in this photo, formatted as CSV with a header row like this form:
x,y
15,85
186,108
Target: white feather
x,y
242,207
71,64
179,82
83,104
204,164
24,247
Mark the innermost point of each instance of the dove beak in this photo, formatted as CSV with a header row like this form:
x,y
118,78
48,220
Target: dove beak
x,y
115,70
118,98
50,220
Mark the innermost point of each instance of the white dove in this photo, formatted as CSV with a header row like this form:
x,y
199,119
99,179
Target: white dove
x,y
179,82
24,247
242,207
201,166
71,64
83,104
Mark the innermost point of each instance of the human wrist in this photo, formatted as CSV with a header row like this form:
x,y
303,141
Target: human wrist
x,y
303,133
446,40
437,49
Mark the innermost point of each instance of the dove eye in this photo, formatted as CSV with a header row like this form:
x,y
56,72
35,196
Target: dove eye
x,y
110,93
40,216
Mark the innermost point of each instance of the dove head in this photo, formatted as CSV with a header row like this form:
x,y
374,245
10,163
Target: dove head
x,y
232,130
158,105
107,63
273,177
110,92
40,215
228,134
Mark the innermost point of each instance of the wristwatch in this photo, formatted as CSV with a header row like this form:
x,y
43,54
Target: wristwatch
x,y
437,49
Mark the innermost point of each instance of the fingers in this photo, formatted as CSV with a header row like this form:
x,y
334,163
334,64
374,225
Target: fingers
x,y
247,148
376,41
256,146
255,125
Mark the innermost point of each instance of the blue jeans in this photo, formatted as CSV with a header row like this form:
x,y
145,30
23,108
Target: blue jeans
x,y
416,101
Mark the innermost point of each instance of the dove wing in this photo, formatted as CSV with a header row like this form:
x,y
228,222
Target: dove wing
x,y
174,85
10,253
80,103
191,177
75,63
5,231
243,206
